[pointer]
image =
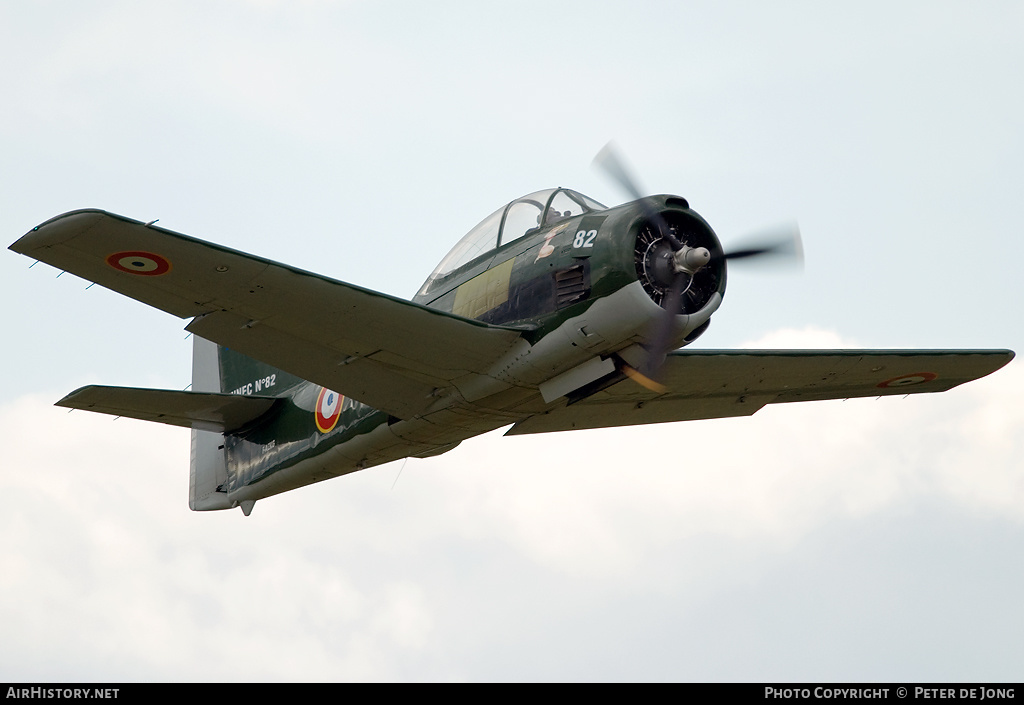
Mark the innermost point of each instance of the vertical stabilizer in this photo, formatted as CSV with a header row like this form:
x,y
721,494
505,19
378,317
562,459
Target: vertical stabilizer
x,y
236,373
208,469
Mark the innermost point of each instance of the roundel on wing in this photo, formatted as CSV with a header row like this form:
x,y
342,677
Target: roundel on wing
x,y
328,409
148,264
907,380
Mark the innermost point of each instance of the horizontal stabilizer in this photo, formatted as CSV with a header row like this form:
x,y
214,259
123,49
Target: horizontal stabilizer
x,y
205,411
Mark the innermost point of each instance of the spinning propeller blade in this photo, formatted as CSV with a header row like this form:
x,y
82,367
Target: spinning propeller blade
x,y
780,244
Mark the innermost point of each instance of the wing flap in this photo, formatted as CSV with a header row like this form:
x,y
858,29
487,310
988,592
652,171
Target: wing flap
x,y
205,411
389,353
711,384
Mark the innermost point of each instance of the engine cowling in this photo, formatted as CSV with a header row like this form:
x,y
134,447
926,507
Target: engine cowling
x,y
653,259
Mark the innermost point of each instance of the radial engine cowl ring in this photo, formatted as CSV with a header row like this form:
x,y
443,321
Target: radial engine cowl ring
x,y
653,258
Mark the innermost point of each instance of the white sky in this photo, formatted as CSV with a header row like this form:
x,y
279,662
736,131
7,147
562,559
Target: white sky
x,y
861,540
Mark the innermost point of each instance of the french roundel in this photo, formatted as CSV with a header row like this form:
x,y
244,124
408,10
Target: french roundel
x,y
147,264
907,380
328,410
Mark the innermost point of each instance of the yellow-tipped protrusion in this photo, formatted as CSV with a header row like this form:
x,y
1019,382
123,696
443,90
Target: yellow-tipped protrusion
x,y
643,380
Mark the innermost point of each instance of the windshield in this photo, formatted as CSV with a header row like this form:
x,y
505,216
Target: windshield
x,y
510,223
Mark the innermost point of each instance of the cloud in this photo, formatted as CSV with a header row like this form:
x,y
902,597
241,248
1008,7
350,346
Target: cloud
x,y
808,337
109,576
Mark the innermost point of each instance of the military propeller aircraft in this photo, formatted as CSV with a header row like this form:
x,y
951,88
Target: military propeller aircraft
x,y
554,313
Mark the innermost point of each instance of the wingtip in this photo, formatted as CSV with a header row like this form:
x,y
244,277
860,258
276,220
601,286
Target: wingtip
x,y
67,401
44,234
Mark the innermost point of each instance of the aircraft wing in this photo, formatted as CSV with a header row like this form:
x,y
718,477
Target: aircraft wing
x,y
711,384
206,411
384,351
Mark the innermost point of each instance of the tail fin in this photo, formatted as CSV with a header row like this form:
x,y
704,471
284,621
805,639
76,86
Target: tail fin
x,y
208,469
239,374
219,369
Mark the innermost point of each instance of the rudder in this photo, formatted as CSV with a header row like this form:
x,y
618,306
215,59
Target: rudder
x,y
207,469
219,369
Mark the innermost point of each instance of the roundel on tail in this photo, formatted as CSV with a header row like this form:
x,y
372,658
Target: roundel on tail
x,y
328,409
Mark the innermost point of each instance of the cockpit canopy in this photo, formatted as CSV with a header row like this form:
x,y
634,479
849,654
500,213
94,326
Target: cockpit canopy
x,y
510,223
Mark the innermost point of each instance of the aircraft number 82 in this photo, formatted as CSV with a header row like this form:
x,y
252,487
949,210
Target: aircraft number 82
x,y
584,238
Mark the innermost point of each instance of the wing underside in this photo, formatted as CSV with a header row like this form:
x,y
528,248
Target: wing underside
x,y
711,384
389,353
